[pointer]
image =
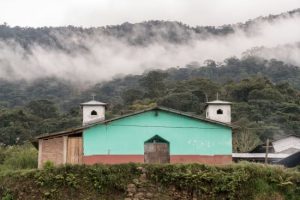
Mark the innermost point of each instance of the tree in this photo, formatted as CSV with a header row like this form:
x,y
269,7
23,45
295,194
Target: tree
x,y
154,84
244,140
43,108
129,96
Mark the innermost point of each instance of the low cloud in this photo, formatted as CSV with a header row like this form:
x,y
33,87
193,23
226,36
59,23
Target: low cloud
x,y
104,57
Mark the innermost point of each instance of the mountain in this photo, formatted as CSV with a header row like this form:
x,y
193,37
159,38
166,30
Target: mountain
x,y
46,72
143,33
265,93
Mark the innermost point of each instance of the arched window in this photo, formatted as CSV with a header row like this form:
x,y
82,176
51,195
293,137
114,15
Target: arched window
x,y
93,112
220,112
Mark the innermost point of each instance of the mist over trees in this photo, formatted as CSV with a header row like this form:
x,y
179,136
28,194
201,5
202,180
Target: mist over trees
x,y
46,72
143,33
83,55
265,94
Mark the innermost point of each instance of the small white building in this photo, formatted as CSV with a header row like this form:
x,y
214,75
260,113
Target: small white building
x,y
93,111
279,150
219,111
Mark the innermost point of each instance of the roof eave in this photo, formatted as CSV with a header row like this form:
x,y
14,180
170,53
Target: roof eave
x,y
61,133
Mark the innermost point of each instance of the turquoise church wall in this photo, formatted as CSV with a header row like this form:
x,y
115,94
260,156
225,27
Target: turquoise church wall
x,y
187,136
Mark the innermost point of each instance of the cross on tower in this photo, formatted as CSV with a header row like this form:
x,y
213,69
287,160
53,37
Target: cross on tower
x,y
93,96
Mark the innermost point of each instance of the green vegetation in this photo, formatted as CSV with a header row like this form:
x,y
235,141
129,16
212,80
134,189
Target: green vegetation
x,y
18,157
265,96
144,33
238,181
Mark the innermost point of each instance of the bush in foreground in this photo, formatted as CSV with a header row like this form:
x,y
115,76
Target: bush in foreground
x,y
18,157
236,181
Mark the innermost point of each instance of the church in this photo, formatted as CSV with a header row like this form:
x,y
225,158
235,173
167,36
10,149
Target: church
x,y
154,135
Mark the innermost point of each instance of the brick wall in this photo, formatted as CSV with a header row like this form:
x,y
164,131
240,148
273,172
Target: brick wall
x,y
52,150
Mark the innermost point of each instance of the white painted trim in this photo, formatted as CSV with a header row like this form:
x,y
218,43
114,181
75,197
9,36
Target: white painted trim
x,y
259,155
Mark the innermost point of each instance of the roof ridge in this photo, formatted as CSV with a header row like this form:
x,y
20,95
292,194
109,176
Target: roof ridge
x,y
136,113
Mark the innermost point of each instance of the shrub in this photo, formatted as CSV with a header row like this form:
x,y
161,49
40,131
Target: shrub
x,y
20,157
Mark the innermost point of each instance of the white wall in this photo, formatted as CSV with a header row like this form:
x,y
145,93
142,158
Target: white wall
x,y
88,118
211,113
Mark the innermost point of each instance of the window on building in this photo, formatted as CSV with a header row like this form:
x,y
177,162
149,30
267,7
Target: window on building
x,y
220,112
93,112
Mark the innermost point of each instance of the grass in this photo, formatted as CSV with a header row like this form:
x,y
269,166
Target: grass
x,y
18,157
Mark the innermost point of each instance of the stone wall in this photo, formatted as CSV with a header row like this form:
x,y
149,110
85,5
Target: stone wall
x,y
143,189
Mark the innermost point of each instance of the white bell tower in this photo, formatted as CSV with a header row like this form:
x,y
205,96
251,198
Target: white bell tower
x,y
219,111
93,111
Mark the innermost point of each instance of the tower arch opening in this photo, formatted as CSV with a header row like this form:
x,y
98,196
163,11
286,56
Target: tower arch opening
x,y
94,112
219,111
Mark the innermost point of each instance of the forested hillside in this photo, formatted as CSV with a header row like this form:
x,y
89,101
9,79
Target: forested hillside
x,y
45,73
144,33
97,54
265,94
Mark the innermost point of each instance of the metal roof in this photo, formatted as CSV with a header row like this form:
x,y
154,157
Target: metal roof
x,y
61,133
286,136
291,161
260,155
93,103
163,109
219,102
80,129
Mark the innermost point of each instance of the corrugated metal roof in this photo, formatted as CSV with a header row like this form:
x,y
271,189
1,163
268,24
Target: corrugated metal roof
x,y
168,110
77,130
61,133
286,136
291,161
219,102
93,103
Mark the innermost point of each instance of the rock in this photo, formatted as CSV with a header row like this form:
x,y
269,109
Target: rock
x,y
127,199
149,195
143,177
130,185
135,181
130,194
139,195
142,169
131,188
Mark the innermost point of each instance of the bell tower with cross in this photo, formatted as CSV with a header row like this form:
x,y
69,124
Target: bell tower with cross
x,y
93,111
218,110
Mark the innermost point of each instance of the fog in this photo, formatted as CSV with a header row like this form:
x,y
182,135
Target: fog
x,y
106,57
36,13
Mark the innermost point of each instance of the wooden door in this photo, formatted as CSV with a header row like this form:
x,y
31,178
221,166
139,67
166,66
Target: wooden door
x,y
74,154
156,152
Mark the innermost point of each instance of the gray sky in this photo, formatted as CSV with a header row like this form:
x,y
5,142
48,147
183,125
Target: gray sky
x,y
109,12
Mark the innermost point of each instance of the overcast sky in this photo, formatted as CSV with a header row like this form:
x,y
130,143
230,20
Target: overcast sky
x,y
109,12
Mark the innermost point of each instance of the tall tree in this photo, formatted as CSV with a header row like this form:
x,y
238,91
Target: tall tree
x,y
154,84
